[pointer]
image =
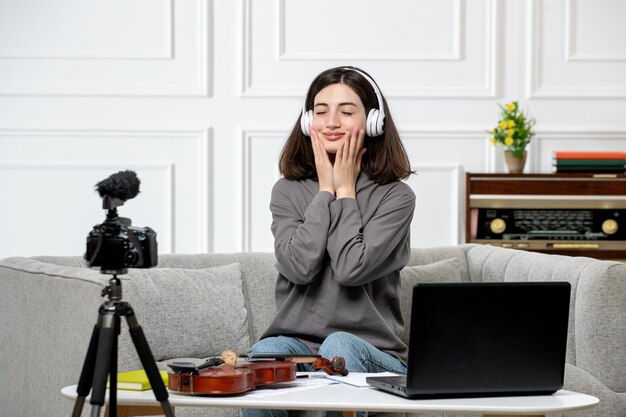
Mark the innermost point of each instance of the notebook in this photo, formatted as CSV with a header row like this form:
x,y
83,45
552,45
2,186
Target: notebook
x,y
484,339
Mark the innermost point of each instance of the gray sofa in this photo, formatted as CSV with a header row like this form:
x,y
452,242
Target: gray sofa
x,y
198,305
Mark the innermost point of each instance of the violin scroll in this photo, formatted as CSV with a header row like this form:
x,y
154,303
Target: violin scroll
x,y
335,366
229,357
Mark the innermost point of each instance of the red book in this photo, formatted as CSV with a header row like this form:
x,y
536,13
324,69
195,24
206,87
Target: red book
x,y
589,155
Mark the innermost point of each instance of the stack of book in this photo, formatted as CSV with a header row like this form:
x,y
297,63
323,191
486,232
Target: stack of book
x,y
592,161
137,380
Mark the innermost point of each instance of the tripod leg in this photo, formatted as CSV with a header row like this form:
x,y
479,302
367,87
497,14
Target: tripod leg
x,y
113,370
86,375
103,365
147,360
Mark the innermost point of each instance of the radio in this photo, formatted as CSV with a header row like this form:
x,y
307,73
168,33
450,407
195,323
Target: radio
x,y
541,228
548,213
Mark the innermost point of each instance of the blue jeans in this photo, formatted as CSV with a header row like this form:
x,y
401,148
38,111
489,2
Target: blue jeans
x,y
360,356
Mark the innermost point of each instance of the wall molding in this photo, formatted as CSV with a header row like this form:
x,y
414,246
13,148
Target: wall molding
x,y
201,85
202,139
166,169
456,52
571,54
456,195
488,89
247,136
167,51
447,133
535,85
586,134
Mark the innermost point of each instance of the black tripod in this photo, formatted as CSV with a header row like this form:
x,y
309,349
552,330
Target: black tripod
x,y
101,359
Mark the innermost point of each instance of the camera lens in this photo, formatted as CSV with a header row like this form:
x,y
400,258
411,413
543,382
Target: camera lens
x,y
131,257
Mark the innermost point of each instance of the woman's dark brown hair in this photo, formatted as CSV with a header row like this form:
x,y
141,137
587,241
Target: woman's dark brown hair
x,y
385,160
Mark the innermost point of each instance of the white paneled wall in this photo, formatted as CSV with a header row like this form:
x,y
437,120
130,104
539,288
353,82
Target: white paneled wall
x,y
586,57
198,97
95,48
415,48
48,179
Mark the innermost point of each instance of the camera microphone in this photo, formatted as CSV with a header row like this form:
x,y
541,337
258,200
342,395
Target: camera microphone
x,y
118,188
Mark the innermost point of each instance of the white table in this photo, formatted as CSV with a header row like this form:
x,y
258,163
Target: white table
x,y
351,399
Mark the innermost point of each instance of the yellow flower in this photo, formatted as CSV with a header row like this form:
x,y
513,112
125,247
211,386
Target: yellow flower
x,y
514,128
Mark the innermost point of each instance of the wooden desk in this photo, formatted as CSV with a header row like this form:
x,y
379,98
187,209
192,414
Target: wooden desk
x,y
350,399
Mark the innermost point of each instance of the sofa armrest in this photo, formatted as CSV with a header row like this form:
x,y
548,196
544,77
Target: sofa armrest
x,y
597,333
600,323
47,320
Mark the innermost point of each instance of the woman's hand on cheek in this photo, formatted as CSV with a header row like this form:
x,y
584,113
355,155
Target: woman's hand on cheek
x,y
323,166
348,164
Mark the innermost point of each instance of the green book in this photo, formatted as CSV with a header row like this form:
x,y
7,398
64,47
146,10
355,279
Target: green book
x,y
589,162
137,380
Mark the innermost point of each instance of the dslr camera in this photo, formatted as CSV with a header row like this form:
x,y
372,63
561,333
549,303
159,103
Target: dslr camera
x,y
115,244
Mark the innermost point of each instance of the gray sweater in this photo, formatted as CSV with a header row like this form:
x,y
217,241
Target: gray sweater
x,y
339,262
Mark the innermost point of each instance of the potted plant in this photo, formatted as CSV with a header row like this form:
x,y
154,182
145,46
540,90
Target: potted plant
x,y
514,131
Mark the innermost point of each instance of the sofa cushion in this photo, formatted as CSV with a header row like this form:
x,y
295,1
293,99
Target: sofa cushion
x,y
427,256
258,273
448,270
189,312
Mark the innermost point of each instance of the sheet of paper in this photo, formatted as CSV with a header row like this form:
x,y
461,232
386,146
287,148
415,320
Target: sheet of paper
x,y
299,384
357,379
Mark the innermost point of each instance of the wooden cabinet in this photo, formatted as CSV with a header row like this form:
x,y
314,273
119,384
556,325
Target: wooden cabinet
x,y
569,214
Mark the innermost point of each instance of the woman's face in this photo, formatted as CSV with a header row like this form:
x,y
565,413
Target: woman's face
x,y
337,109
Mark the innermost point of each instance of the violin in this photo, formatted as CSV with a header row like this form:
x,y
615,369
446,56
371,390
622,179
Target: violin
x,y
231,375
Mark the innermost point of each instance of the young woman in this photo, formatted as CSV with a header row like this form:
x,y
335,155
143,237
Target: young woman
x,y
341,219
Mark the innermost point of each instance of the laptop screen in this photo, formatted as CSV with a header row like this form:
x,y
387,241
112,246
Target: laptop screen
x,y
507,338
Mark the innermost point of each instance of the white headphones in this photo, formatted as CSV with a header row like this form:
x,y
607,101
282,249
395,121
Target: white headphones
x,y
375,124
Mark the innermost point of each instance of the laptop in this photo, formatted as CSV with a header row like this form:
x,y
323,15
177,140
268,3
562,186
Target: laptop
x,y
484,339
